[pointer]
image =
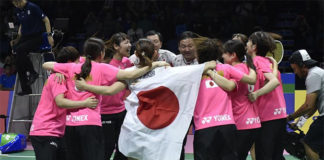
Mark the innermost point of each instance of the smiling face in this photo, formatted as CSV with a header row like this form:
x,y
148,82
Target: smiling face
x,y
124,48
187,49
227,57
156,41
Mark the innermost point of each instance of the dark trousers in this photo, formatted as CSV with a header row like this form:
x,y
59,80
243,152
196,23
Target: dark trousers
x,y
269,140
47,148
25,45
215,143
84,143
244,142
111,124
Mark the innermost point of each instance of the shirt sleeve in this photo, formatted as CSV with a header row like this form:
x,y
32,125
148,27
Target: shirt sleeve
x,y
235,74
63,68
1,79
38,11
313,83
109,74
56,88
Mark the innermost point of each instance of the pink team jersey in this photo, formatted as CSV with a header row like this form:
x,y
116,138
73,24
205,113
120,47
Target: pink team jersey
x,y
244,112
214,106
49,119
115,104
101,74
270,106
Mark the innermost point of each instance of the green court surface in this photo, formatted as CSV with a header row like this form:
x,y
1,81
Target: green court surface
x,y
29,155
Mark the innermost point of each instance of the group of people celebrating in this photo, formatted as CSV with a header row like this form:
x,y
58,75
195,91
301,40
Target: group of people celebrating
x,y
240,103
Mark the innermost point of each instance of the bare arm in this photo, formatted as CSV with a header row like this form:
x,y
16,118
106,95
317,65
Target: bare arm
x,y
249,79
48,30
104,90
15,41
273,82
49,65
62,102
275,66
221,81
125,74
308,107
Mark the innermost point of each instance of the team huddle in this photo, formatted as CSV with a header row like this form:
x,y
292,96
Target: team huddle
x,y
239,104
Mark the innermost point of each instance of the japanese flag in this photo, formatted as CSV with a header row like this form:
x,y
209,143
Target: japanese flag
x,y
159,112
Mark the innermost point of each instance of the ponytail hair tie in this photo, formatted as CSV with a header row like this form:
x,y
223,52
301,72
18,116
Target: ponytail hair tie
x,y
88,56
143,53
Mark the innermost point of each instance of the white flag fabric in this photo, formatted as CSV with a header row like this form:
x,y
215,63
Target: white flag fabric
x,y
159,111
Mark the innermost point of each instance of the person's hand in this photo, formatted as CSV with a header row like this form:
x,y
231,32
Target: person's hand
x,y
50,40
80,84
91,102
211,64
272,59
160,64
293,126
253,96
59,78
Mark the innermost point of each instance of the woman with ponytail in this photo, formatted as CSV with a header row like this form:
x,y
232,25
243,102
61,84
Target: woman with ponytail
x,y
84,134
145,52
269,100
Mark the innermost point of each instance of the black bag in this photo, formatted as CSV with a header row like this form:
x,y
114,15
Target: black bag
x,y
293,143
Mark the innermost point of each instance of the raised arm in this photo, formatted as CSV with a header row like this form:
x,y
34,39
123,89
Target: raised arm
x,y
273,82
104,90
62,102
221,81
127,74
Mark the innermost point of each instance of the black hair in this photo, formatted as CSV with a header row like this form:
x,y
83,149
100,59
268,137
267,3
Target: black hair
x,y
186,35
152,33
67,54
238,47
208,49
92,48
116,39
263,41
296,58
242,37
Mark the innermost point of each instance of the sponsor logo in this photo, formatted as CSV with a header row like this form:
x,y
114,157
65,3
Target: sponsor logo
x,y
79,118
250,121
278,111
216,118
54,144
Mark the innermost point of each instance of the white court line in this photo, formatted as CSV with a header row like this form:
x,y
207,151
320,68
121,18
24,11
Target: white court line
x,y
13,156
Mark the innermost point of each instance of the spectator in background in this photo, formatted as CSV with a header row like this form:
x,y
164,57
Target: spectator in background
x,y
7,80
163,55
32,21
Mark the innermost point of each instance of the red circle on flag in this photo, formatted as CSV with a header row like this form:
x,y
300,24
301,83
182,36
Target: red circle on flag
x,y
157,107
